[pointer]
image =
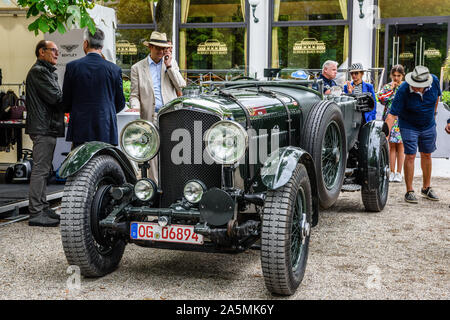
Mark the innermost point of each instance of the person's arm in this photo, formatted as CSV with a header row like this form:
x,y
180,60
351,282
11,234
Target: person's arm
x,y
396,108
447,128
119,98
175,76
47,87
390,119
135,102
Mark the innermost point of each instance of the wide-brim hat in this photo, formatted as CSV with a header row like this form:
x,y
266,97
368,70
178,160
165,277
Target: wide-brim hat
x,y
157,39
355,67
420,77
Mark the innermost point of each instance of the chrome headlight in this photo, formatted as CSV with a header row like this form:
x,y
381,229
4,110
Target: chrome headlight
x,y
226,142
193,191
145,189
139,139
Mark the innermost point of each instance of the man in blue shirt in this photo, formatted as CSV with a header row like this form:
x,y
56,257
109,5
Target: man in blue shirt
x,y
415,106
329,71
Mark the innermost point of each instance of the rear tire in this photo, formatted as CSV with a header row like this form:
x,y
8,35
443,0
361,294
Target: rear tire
x,y
324,138
81,242
285,233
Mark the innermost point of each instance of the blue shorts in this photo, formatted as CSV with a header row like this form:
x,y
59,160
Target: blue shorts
x,y
426,140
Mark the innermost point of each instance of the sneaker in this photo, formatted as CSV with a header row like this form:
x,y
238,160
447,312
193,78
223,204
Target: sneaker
x,y
43,220
429,194
410,197
398,177
391,176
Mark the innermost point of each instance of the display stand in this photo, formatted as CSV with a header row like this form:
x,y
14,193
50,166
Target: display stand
x,y
15,217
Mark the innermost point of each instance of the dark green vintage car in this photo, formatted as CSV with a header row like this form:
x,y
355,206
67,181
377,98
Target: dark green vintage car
x,y
246,166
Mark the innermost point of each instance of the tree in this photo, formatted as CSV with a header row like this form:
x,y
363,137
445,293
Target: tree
x,y
164,17
58,15
62,15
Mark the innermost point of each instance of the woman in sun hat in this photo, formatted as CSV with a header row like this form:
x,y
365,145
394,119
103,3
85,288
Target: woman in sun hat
x,y
359,86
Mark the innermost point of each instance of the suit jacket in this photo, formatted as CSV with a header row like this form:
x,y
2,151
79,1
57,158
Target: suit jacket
x,y
93,94
142,96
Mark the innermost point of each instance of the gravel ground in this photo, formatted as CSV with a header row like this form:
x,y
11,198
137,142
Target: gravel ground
x,y
400,253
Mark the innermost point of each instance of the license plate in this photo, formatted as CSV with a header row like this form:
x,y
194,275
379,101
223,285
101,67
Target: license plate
x,y
174,233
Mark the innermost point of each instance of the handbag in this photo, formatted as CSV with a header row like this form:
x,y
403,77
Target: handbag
x,y
16,112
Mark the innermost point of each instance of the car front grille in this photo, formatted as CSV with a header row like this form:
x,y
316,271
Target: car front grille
x,y
173,176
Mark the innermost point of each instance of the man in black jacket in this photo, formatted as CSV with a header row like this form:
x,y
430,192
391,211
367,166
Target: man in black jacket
x,y
45,122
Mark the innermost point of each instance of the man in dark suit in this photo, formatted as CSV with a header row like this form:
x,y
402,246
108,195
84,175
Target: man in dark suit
x,y
93,93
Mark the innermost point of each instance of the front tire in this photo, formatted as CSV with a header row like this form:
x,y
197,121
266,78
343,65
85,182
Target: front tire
x,y
285,233
84,243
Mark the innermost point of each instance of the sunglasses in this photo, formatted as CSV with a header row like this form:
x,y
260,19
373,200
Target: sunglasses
x,y
354,73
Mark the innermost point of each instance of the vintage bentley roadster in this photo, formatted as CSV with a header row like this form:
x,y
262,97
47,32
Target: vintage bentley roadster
x,y
245,166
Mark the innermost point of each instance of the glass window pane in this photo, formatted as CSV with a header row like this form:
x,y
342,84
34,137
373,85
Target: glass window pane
x,y
212,48
129,47
204,11
419,8
308,47
132,11
300,10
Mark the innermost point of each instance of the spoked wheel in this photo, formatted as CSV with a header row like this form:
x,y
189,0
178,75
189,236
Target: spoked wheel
x,y
285,233
375,200
331,155
324,138
86,201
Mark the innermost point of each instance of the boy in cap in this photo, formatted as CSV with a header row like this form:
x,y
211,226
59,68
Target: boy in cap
x,y
415,107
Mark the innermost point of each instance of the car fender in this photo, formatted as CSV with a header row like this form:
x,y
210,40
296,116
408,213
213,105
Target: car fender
x,y
81,155
370,147
279,167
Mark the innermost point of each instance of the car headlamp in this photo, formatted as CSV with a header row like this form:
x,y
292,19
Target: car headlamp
x,y
145,189
193,191
139,139
226,142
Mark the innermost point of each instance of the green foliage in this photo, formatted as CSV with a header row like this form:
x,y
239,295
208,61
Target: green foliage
x,y
447,67
58,15
126,89
446,97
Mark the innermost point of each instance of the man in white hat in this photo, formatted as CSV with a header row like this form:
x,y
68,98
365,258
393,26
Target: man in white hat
x,y
155,81
415,105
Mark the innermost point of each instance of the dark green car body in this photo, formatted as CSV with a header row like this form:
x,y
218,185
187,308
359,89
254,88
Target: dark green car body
x,y
296,137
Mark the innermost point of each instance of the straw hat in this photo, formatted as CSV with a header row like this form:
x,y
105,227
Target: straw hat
x,y
157,39
420,77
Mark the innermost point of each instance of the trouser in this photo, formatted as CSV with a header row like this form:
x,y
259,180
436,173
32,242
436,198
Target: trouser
x,y
43,149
